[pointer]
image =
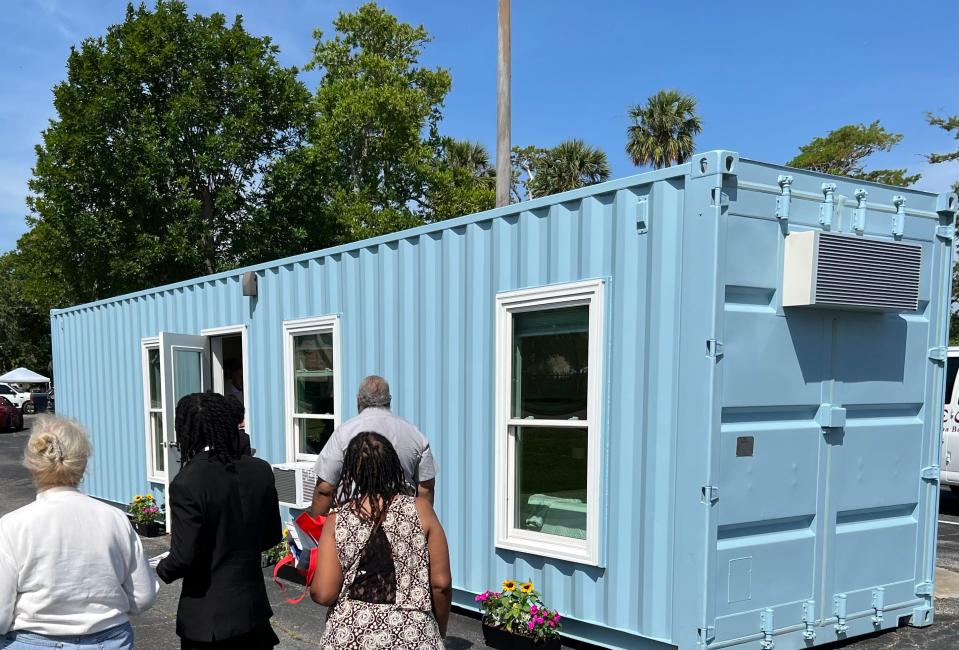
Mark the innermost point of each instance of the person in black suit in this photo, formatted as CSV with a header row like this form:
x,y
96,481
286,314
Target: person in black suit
x,y
225,512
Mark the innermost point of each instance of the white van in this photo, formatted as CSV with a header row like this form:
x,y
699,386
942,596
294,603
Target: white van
x,y
950,424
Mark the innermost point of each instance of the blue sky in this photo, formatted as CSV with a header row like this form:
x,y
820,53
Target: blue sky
x,y
768,76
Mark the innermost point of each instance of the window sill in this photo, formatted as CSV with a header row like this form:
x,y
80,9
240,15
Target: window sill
x,y
550,546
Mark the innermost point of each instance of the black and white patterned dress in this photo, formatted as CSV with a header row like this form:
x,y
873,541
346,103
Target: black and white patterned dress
x,y
385,601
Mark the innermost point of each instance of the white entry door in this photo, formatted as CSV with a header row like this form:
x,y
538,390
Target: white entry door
x,y
184,369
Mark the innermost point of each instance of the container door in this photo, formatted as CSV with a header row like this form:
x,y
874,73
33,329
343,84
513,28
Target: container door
x,y
873,496
184,369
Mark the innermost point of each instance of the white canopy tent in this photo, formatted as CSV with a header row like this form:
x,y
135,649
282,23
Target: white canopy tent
x,y
24,376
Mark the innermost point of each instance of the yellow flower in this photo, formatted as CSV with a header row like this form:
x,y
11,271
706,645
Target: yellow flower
x,y
149,497
509,585
137,499
515,605
526,587
286,531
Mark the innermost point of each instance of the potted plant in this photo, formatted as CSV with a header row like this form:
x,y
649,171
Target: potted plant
x,y
145,514
516,618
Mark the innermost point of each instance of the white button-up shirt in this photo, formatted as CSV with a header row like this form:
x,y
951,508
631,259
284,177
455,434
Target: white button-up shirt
x,y
71,565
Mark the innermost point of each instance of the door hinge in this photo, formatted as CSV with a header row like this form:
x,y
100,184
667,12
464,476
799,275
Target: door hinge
x,y
930,473
782,202
859,216
877,606
839,609
899,219
766,627
714,348
828,204
938,354
719,198
710,494
706,635
924,588
946,232
809,619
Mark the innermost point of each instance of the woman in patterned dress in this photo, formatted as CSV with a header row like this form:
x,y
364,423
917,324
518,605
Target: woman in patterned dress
x,y
383,564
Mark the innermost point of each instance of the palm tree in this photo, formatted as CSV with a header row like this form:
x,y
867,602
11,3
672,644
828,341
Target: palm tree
x,y
469,157
662,131
567,166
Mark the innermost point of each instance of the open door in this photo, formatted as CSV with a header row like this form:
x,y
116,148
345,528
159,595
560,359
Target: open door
x,y
184,369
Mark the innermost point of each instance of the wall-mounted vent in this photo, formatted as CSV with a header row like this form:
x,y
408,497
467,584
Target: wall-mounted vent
x,y
824,269
294,484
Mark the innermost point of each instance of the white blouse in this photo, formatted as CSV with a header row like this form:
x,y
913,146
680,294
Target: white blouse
x,y
70,564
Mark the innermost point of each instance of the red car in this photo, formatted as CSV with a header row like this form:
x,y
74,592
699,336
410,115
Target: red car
x,y
11,418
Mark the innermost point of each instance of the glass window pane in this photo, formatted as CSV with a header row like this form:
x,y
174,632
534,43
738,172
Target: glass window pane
x,y
156,427
313,373
153,363
313,434
952,365
550,355
187,373
551,480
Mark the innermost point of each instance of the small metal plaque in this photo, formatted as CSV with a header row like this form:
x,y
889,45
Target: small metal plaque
x,y
744,445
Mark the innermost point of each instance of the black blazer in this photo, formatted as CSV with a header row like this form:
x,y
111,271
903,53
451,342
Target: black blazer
x,y
223,518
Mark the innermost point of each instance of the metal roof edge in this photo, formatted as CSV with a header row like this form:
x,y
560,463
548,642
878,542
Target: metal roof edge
x,y
847,179
438,226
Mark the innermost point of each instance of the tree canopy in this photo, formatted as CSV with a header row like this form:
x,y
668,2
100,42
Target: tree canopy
x,y
163,128
844,152
950,124
663,131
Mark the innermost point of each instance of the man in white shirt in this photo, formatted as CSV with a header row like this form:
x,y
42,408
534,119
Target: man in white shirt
x,y
373,401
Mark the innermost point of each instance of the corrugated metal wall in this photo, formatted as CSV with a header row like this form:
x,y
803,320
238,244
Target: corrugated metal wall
x,y
417,307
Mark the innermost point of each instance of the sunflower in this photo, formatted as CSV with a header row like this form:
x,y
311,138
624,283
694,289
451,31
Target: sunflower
x,y
137,499
149,497
526,587
509,585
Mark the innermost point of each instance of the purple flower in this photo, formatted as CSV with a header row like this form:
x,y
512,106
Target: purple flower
x,y
533,609
540,620
552,623
531,625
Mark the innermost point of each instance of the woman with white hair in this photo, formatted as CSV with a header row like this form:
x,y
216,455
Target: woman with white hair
x,y
72,569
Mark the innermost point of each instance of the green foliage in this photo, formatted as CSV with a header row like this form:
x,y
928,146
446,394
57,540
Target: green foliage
x,y
371,148
949,124
163,128
24,327
663,131
844,150
519,609
144,510
567,166
461,182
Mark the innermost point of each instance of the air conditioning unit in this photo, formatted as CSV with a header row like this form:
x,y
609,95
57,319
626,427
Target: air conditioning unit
x,y
294,484
834,271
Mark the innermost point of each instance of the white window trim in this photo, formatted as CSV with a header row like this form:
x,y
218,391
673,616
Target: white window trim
x,y
589,292
291,328
147,344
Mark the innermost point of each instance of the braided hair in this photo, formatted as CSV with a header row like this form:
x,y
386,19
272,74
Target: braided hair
x,y
209,420
371,472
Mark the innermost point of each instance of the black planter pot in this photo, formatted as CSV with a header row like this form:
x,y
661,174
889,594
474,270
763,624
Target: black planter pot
x,y
501,639
151,529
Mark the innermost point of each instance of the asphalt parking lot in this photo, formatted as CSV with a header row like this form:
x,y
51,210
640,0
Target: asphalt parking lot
x,y
300,626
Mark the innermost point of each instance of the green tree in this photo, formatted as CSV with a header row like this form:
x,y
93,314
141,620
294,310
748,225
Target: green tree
x,y
567,166
844,151
663,131
462,182
24,327
164,127
372,146
949,124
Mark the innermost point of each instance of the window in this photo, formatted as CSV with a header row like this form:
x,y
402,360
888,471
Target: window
x,y
549,378
311,350
952,366
156,459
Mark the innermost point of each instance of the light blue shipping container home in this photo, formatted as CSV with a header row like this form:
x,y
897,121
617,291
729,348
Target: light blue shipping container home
x,y
698,407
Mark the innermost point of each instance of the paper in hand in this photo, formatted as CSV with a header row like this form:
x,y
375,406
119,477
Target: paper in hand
x,y
154,561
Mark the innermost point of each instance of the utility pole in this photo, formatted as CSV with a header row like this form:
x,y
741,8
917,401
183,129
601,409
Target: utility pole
x,y
504,174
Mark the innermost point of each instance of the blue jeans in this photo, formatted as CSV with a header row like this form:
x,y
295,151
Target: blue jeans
x,y
119,637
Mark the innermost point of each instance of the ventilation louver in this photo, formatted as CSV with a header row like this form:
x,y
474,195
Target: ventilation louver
x,y
829,270
294,484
